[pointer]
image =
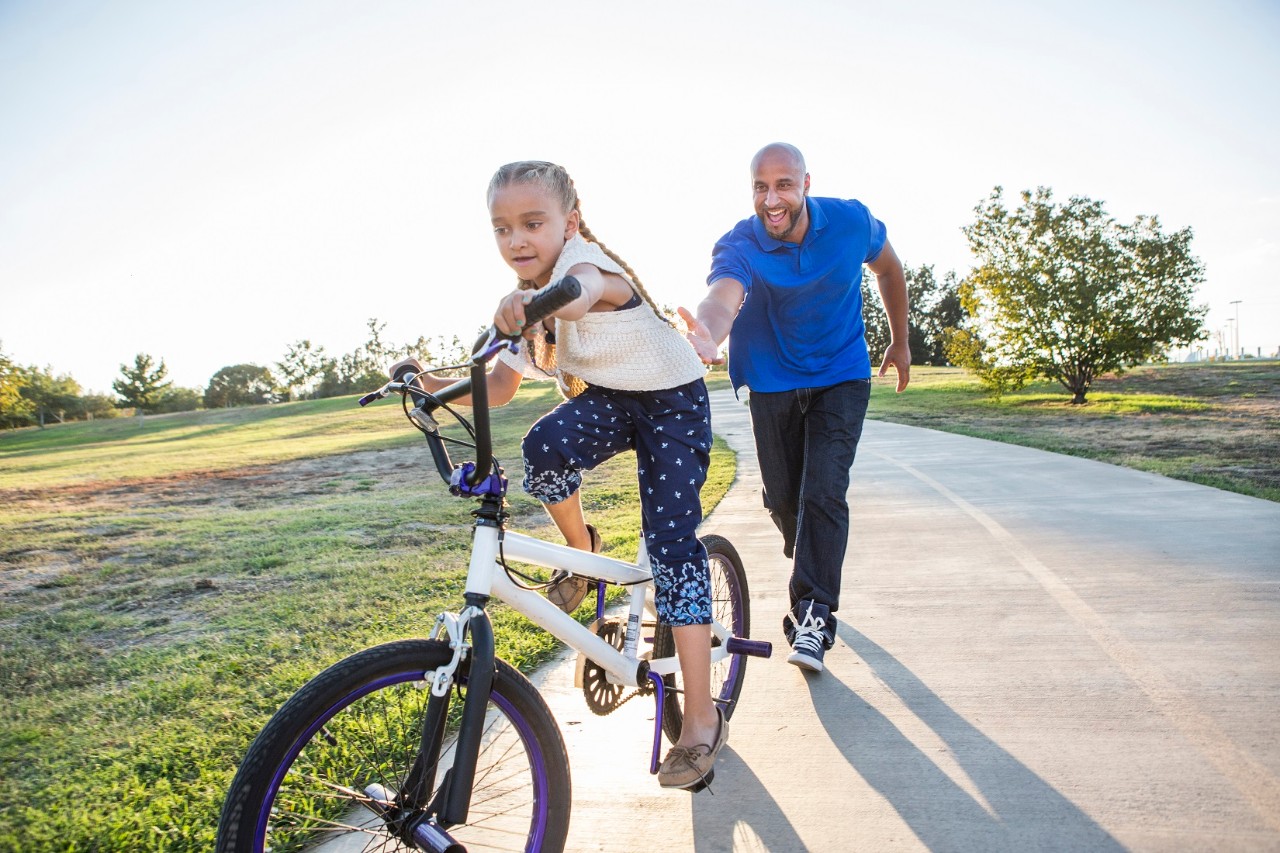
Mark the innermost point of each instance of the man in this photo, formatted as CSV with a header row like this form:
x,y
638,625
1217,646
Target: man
x,y
786,289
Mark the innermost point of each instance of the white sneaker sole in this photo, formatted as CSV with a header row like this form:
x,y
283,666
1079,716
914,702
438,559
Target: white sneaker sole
x,y
804,661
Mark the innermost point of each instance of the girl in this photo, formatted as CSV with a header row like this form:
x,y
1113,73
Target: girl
x,y
632,382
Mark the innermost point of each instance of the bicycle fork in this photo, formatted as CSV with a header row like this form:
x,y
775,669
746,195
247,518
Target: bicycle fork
x,y
408,814
479,666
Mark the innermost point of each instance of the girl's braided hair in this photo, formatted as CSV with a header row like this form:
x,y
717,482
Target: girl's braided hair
x,y
555,181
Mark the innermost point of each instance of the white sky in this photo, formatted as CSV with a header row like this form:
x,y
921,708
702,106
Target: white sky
x,y
210,182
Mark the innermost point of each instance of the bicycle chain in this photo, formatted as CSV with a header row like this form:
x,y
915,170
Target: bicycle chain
x,y
602,697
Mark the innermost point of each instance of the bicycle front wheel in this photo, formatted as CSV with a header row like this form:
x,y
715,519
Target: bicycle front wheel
x,y
331,770
730,607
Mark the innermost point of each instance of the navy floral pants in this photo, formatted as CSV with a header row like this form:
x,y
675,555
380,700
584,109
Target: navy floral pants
x,y
670,431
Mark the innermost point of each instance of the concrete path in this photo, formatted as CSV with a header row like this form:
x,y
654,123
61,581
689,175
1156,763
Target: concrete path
x,y
1036,652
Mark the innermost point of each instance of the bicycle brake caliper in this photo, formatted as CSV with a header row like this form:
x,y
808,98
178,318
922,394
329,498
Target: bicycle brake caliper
x,y
453,625
442,677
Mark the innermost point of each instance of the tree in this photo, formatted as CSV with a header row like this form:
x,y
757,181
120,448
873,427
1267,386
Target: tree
x,y
52,396
301,366
141,385
15,409
366,367
932,307
440,351
98,406
875,320
177,399
240,385
1067,293
966,349
360,370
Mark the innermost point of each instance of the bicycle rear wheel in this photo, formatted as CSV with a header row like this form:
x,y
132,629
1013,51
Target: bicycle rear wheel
x,y
730,606
325,772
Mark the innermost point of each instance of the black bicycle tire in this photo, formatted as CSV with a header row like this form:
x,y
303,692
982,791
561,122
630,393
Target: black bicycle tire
x,y
721,549
337,688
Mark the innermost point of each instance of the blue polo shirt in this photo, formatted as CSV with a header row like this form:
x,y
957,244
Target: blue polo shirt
x,y
801,323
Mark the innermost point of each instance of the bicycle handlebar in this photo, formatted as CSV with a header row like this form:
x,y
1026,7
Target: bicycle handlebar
x,y
547,301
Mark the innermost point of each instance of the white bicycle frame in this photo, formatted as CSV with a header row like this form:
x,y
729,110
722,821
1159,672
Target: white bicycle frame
x,y
487,577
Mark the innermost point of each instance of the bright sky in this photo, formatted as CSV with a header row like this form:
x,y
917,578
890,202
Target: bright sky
x,y
210,182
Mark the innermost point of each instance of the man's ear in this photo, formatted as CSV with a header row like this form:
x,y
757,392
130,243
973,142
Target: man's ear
x,y
571,224
806,183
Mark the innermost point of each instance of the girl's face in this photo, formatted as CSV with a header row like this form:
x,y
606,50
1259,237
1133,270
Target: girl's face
x,y
530,230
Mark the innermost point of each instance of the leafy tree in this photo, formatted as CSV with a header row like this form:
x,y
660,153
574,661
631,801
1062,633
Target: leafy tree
x,y
440,351
301,366
332,382
15,409
874,318
240,385
1067,293
966,349
98,406
51,396
178,399
932,307
361,369
141,385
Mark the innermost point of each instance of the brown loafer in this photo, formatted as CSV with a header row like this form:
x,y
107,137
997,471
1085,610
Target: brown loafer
x,y
693,767
566,591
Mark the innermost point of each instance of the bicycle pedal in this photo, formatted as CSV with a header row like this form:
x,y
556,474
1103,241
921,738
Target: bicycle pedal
x,y
702,784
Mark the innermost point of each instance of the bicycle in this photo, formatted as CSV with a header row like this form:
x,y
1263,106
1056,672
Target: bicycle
x,y
435,744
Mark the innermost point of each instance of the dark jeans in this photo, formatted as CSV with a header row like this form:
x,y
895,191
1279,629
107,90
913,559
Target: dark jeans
x,y
806,440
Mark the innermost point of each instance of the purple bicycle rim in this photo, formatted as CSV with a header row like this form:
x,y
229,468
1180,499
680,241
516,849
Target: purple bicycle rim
x,y
540,793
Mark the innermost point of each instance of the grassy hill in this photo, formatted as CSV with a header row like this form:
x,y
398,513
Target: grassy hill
x,y
166,583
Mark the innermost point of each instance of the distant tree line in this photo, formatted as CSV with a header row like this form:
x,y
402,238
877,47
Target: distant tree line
x,y
34,396
1061,291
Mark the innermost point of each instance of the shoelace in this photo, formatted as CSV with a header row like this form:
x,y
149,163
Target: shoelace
x,y
689,755
809,633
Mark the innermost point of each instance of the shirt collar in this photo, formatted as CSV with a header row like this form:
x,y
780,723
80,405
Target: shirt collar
x,y
817,221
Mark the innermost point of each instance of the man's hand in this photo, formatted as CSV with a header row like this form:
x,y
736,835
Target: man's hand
x,y
899,355
698,334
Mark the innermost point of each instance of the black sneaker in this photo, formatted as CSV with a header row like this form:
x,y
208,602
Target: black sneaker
x,y
807,635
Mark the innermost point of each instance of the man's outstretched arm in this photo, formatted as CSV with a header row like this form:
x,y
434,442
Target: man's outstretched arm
x,y
716,313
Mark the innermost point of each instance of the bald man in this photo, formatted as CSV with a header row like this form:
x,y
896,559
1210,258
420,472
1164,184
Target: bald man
x,y
786,289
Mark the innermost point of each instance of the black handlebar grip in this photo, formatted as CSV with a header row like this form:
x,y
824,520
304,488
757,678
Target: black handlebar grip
x,y
551,299
415,391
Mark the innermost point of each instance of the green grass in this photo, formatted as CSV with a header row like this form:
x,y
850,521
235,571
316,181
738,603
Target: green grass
x,y
150,625
1215,424
165,584
221,439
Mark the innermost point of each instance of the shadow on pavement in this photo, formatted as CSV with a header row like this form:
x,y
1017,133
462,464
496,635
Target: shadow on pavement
x,y
742,815
1014,808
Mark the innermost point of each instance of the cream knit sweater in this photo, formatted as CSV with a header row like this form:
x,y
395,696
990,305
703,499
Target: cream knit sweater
x,y
628,350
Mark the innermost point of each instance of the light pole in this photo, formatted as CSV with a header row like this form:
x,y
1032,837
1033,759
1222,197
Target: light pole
x,y
1231,337
1237,304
